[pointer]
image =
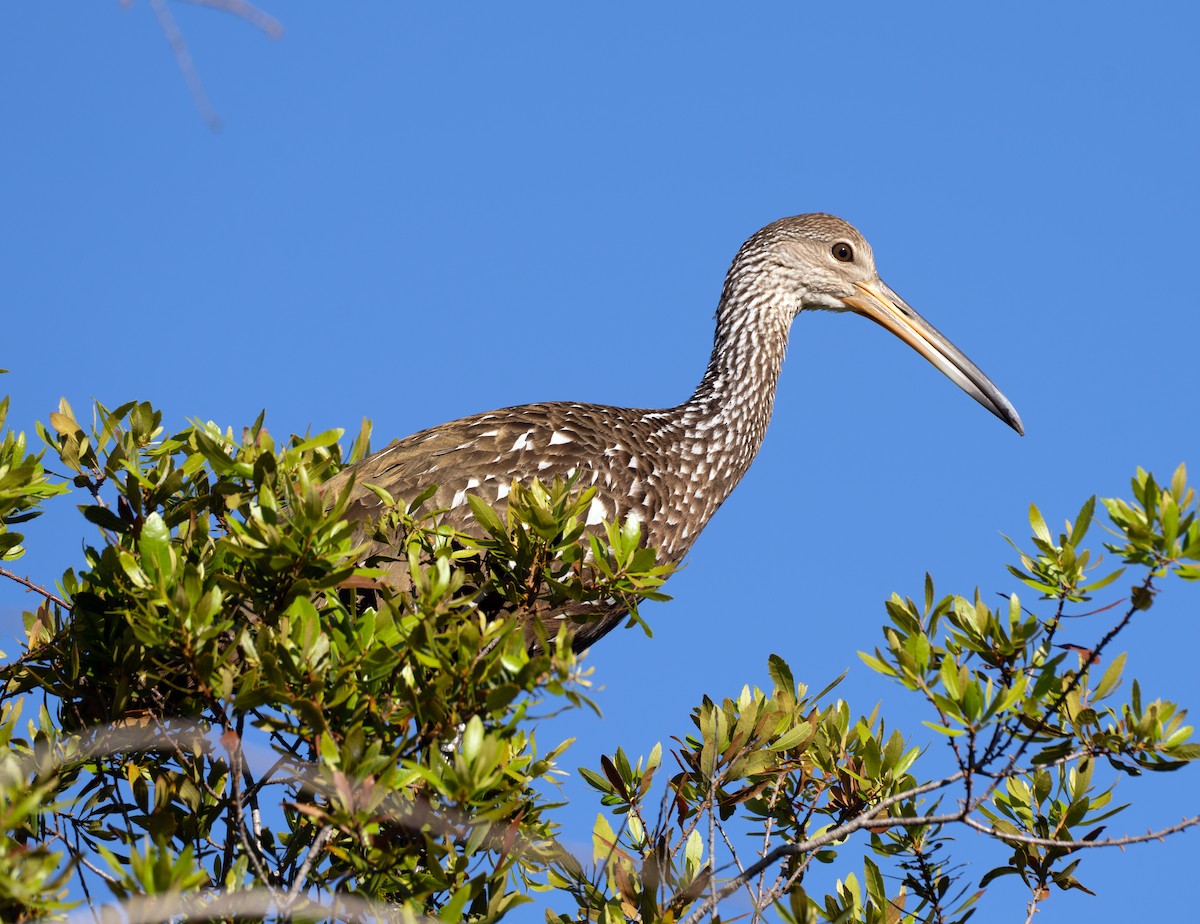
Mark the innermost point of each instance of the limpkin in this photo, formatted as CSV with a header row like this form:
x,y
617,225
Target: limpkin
x,y
670,468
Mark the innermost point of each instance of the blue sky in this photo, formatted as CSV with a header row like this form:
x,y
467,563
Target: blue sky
x,y
416,212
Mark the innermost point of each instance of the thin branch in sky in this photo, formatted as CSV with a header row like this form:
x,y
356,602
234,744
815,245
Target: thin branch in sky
x,y
161,909
35,588
247,11
242,9
187,67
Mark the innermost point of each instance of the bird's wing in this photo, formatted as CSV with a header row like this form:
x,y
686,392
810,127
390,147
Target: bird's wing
x,y
479,455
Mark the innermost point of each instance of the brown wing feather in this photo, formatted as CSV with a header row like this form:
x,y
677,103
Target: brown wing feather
x,y
482,454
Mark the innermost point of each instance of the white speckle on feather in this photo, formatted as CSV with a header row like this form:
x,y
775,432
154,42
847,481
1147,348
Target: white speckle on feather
x,y
501,491
522,441
596,512
489,433
472,483
610,601
543,465
459,498
558,437
633,461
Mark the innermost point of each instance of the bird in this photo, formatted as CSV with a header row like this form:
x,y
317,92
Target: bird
x,y
668,468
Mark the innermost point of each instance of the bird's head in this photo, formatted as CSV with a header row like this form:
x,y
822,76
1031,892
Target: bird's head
x,y
818,261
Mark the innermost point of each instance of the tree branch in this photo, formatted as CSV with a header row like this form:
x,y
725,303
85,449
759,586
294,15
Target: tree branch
x,y
313,849
35,588
183,57
1077,844
866,820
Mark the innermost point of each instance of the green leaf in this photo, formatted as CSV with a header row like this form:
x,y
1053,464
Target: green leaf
x,y
604,841
1039,525
453,909
781,675
949,675
997,872
876,888
1112,677
154,544
792,737
944,730
694,851
486,516
472,739
1083,521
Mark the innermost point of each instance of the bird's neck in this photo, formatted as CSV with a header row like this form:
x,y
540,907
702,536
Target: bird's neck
x,y
737,393
726,418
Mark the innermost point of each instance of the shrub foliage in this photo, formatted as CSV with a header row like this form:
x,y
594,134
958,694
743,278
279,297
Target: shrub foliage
x,y
220,712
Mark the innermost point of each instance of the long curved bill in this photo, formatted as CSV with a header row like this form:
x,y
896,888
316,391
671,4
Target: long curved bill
x,y
875,300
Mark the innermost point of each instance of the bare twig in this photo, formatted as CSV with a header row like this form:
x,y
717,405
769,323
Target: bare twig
x,y
259,903
870,820
187,67
236,769
247,12
867,819
768,826
242,9
35,588
737,861
1078,844
712,842
1147,587
314,850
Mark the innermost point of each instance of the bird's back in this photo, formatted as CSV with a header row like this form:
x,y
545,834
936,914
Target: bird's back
x,y
618,451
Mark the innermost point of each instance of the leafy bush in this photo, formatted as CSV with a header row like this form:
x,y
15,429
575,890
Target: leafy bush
x,y
238,719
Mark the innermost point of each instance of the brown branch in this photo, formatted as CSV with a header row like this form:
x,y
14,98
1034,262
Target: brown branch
x,y
768,827
1093,658
866,819
737,861
1076,844
187,67
259,903
247,12
29,585
242,9
313,849
871,821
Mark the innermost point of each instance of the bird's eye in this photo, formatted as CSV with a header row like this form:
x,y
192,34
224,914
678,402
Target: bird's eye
x,y
843,252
